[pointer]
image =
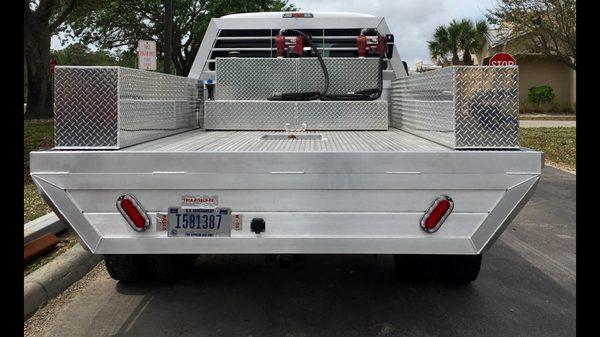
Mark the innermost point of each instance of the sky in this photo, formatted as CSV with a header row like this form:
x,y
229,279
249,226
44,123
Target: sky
x,y
411,21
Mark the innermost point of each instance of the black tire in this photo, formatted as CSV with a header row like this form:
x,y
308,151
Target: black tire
x,y
415,268
171,267
459,268
285,261
125,268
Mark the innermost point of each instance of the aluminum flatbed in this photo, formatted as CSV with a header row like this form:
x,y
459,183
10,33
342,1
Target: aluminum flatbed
x,y
430,167
354,192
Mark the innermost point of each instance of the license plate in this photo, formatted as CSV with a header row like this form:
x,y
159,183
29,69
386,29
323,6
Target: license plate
x,y
203,222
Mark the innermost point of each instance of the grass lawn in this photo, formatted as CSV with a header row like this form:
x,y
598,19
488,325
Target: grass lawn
x,y
39,134
558,144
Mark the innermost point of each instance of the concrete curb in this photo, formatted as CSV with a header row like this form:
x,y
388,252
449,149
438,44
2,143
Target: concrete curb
x,y
546,124
56,276
48,223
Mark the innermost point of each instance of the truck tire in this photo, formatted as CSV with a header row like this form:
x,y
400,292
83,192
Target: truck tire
x,y
125,268
459,268
171,267
415,268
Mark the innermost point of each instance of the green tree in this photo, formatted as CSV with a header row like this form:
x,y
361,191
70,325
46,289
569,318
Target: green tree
x,y
42,19
124,22
548,25
458,36
78,54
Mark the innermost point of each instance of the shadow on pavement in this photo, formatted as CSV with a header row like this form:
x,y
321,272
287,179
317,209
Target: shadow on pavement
x,y
347,295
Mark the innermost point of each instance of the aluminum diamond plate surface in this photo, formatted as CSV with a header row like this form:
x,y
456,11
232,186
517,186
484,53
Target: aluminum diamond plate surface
x,y
348,115
463,107
253,78
259,78
85,107
487,107
114,107
345,74
248,115
317,115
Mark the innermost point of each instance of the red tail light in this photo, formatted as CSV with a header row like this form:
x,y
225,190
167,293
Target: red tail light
x,y
437,214
133,212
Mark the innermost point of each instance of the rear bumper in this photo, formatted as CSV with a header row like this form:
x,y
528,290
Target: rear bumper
x,y
351,203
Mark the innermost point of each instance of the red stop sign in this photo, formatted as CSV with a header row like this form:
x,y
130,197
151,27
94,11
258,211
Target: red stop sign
x,y
53,64
502,59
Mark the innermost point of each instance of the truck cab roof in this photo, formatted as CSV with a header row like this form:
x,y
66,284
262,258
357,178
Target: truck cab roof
x,y
266,15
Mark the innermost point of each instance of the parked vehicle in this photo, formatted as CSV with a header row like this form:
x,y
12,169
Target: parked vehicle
x,y
313,140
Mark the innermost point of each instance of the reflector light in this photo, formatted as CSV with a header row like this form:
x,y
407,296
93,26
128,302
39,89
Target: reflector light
x,y
131,210
437,214
297,15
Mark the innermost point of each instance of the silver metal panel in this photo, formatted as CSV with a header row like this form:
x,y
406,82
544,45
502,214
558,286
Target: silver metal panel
x,y
487,107
86,107
476,166
346,115
254,78
399,200
460,107
345,74
259,78
317,115
114,107
248,115
321,207
332,141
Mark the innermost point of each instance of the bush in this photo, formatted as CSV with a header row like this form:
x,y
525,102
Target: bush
x,y
541,95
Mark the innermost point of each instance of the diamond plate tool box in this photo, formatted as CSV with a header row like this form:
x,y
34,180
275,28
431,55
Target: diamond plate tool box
x,y
115,107
259,78
462,107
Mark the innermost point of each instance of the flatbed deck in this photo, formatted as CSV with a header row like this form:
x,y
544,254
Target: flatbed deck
x,y
393,140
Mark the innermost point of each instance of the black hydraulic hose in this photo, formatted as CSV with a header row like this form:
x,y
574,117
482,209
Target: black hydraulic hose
x,y
304,96
367,94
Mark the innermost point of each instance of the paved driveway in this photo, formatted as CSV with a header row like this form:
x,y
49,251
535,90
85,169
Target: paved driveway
x,y
526,288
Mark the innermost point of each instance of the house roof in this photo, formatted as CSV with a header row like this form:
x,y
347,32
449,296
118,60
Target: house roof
x,y
500,36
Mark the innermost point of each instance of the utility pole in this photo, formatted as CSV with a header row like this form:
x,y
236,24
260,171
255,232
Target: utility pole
x,y
168,23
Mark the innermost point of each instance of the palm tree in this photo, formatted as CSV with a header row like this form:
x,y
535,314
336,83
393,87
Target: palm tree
x,y
458,36
445,41
472,38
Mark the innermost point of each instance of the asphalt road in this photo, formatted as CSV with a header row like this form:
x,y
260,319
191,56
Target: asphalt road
x,y
526,288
